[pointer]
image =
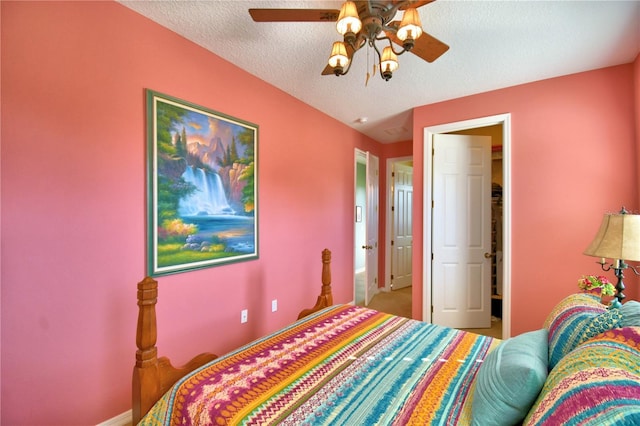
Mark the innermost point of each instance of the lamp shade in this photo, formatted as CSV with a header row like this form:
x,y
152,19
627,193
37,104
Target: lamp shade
x,y
410,26
389,60
348,20
617,238
338,56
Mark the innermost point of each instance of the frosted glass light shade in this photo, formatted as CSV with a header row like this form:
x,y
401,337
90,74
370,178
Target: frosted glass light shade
x,y
348,20
338,56
410,26
389,60
617,238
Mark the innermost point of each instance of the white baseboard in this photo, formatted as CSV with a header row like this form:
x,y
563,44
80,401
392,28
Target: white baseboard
x,y
123,419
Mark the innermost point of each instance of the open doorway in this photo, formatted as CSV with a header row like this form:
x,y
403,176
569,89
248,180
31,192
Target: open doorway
x,y
399,243
468,127
395,295
494,200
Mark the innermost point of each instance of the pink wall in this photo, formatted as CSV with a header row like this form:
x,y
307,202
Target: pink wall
x,y
73,199
574,157
73,207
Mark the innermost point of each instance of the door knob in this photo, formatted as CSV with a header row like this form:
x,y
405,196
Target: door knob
x,y
367,247
488,255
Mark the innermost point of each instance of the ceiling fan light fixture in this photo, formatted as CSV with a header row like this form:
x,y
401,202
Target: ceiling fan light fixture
x,y
367,24
388,63
348,20
410,26
339,58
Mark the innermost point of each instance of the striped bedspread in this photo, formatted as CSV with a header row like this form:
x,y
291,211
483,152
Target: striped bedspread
x,y
345,365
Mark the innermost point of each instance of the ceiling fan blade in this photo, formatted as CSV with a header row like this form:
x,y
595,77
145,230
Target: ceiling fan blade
x,y
294,15
426,46
415,4
328,70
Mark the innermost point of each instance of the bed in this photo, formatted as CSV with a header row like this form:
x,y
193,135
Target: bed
x,y
342,364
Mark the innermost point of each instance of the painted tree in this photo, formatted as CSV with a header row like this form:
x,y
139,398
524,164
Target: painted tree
x,y
171,186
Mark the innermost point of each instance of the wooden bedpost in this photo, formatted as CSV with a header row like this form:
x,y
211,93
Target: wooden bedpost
x,y
153,376
146,378
326,297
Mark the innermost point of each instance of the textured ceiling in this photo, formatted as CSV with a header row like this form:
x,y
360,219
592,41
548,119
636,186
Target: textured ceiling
x,y
493,44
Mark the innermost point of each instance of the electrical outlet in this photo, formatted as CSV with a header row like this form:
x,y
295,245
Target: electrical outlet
x,y
274,305
244,316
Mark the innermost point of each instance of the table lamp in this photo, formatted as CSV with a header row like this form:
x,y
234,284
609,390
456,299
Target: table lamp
x,y
617,239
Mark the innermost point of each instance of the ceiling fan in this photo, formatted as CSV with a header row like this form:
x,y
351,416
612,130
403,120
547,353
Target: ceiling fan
x,y
363,23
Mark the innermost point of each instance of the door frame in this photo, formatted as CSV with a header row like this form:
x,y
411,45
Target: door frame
x,y
429,132
372,213
360,157
389,219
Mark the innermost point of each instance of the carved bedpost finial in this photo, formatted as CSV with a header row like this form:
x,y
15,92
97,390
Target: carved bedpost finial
x,y
147,333
325,299
326,277
145,372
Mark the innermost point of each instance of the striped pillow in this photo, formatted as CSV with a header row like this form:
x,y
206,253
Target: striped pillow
x,y
598,383
575,319
573,301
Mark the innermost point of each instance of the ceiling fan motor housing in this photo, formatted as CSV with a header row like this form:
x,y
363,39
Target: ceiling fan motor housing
x,y
371,26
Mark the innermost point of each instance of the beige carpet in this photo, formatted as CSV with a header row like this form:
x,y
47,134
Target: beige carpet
x,y
398,302
494,331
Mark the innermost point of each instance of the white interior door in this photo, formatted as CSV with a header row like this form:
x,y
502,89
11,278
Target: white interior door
x,y
402,237
461,257
371,246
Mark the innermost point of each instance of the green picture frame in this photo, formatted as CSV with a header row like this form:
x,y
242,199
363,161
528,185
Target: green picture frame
x,y
202,187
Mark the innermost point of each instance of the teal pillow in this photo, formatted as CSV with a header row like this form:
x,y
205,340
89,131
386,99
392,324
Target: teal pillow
x,y
510,379
630,314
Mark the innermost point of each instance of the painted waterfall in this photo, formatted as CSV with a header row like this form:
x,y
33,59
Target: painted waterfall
x,y
203,209
209,199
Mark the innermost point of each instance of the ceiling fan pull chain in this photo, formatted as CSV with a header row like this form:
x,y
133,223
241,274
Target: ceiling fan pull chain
x,y
368,75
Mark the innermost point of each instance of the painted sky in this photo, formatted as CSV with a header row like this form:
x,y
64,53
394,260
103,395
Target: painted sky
x,y
204,129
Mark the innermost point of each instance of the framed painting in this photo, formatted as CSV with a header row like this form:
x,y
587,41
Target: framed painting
x,y
202,179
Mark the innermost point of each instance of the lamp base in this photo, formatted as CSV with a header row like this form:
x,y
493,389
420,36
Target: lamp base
x,y
620,285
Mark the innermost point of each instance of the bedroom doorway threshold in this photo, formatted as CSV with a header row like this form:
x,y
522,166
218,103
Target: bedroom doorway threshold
x,y
495,331
396,302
